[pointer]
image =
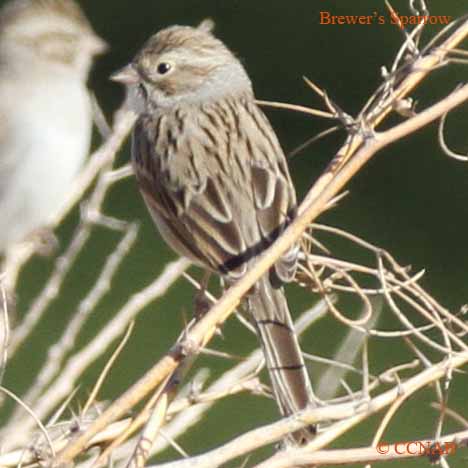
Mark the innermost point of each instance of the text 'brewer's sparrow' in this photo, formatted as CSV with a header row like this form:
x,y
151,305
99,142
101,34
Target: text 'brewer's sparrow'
x,y
216,181
46,51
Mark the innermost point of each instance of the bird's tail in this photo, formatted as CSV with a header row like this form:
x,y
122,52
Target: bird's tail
x,y
291,385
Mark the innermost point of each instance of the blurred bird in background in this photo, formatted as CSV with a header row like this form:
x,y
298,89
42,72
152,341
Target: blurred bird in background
x,y
46,51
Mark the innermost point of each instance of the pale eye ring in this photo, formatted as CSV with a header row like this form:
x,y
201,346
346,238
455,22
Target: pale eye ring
x,y
163,68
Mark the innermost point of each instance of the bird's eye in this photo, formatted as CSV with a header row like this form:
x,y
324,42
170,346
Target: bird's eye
x,y
163,68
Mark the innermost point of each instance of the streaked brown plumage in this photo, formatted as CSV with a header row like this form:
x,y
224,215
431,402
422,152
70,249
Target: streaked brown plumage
x,y
216,181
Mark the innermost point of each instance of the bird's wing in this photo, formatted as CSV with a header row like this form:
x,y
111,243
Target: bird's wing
x,y
223,197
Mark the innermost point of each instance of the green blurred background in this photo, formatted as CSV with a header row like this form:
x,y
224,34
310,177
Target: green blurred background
x,y
411,199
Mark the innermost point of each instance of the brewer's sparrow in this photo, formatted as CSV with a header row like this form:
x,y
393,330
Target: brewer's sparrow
x,y
216,182
46,50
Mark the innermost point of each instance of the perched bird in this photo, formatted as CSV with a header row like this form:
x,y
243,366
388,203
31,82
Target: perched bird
x,y
46,51
216,182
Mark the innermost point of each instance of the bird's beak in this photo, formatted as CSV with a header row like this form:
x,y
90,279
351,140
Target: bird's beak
x,y
97,46
127,76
